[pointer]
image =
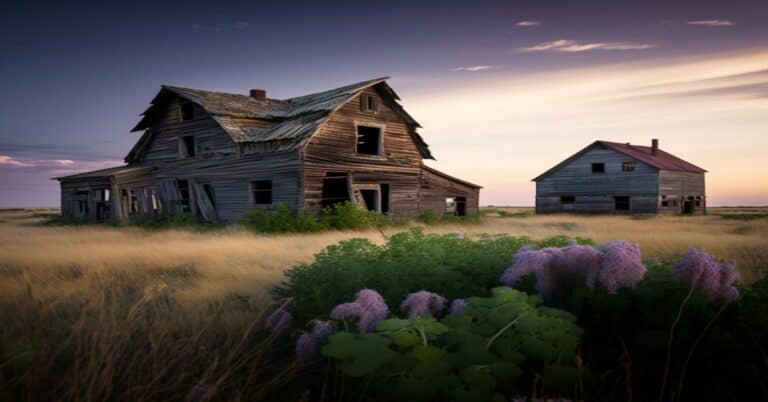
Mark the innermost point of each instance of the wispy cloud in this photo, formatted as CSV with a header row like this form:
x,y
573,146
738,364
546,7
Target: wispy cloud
x,y
53,166
528,24
712,23
473,68
572,46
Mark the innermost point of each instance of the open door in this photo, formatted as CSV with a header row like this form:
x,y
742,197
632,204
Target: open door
x,y
461,206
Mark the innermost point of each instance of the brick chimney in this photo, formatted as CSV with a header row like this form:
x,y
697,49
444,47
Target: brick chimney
x,y
259,94
654,146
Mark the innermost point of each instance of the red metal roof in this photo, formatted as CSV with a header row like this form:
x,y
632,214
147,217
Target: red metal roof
x,y
661,160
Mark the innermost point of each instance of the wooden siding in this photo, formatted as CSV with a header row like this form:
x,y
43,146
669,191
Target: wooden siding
x,y
678,186
332,149
164,135
434,189
595,192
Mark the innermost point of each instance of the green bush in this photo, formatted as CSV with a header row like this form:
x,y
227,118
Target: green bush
x,y
433,217
348,215
409,261
495,350
282,219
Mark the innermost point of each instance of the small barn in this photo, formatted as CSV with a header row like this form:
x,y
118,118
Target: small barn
x,y
622,178
218,155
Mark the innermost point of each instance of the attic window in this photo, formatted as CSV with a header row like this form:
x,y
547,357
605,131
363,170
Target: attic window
x,y
368,140
598,167
369,103
628,166
187,111
187,146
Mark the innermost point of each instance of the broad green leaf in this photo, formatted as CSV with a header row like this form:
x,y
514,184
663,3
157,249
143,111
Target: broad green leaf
x,y
392,324
405,339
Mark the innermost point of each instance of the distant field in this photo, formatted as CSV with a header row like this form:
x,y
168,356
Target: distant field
x,y
122,313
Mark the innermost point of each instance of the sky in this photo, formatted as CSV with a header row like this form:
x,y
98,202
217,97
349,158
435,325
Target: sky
x,y
503,89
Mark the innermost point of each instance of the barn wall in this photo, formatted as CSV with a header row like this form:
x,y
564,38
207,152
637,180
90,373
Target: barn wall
x,y
434,189
70,198
164,135
594,193
332,149
679,186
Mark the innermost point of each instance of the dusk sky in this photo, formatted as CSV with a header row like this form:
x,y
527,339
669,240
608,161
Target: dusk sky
x,y
504,90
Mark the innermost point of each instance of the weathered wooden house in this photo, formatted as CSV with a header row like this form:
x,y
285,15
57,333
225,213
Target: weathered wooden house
x,y
218,155
610,177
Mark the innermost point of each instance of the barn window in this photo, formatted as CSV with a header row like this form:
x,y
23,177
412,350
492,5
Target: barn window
x,y
335,189
261,191
369,103
628,166
665,203
568,202
598,167
368,140
187,146
385,198
621,203
187,111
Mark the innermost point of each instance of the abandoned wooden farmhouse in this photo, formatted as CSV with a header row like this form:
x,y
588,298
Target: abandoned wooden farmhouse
x,y
217,155
610,177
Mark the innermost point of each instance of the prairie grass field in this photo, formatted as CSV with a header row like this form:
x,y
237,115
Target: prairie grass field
x,y
96,306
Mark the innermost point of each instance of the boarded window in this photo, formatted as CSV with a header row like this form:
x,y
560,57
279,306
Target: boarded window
x,y
368,140
628,166
262,192
621,203
187,146
369,103
187,111
598,167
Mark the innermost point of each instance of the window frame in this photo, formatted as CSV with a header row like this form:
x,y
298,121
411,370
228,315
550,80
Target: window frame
x,y
254,190
369,103
628,166
381,128
184,146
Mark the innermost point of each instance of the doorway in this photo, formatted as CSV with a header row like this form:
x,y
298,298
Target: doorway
x,y
621,203
461,206
687,207
370,199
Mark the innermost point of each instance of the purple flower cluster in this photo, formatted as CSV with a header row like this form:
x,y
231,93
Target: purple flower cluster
x,y
458,307
423,303
309,343
616,264
368,308
701,270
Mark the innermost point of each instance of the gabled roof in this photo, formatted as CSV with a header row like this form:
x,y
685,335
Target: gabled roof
x,y
661,160
449,177
294,120
102,173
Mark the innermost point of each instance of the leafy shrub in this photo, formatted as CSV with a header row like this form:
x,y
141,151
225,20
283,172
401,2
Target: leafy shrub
x,y
495,350
409,261
282,219
348,215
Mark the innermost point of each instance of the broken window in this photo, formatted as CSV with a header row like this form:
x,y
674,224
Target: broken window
x,y
621,203
187,146
187,111
369,103
568,202
598,167
261,191
368,140
184,200
370,199
628,166
335,189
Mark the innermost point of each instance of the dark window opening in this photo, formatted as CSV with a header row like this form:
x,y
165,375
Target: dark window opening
x,y
208,188
262,192
621,203
370,199
461,206
188,143
598,168
369,103
187,111
687,207
628,166
568,202
385,194
133,205
335,189
690,197
698,203
184,201
368,140
665,203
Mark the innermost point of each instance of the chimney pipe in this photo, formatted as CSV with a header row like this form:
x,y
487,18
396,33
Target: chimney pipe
x,y
654,146
259,94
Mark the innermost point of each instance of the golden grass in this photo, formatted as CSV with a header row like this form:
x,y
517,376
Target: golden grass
x,y
130,314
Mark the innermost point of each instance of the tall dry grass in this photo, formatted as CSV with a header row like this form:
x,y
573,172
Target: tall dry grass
x,y
129,314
